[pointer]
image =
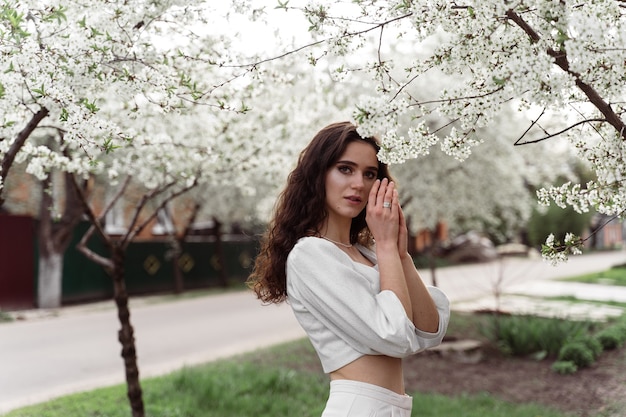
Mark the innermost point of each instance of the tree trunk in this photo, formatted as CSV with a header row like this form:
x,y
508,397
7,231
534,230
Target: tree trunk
x,y
178,243
10,154
432,252
179,281
126,334
219,251
432,263
54,238
50,280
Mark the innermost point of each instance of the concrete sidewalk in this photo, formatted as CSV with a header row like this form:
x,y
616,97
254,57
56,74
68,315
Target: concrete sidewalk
x,y
540,304
581,291
474,281
528,287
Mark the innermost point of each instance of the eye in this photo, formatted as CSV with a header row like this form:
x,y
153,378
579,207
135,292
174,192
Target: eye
x,y
370,175
345,169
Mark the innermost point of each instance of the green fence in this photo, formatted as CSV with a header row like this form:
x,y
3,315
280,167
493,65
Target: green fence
x,y
149,267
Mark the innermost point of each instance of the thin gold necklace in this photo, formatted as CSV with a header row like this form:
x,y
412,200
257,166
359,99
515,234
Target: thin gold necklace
x,y
345,245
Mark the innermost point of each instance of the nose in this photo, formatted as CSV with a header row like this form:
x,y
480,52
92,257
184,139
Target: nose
x,y
358,183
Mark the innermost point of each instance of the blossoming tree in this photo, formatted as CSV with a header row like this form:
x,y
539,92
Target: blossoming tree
x,y
146,109
547,57
90,77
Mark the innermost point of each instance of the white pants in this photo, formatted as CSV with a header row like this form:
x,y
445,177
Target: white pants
x,y
359,399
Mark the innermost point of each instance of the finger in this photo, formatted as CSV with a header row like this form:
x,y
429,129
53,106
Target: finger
x,y
401,213
380,196
373,194
388,198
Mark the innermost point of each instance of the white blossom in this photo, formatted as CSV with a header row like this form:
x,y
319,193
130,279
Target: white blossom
x,y
555,56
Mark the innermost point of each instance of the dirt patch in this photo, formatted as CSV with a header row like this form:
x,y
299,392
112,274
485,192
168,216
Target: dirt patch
x,y
586,393
596,391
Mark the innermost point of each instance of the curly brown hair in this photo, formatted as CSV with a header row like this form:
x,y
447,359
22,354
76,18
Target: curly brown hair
x,y
301,209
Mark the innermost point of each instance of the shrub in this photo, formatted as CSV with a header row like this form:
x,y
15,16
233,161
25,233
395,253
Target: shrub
x,y
5,317
515,336
593,344
525,335
576,352
621,326
555,220
564,367
611,337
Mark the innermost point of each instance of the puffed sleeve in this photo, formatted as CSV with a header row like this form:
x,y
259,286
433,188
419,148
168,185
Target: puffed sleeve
x,y
344,297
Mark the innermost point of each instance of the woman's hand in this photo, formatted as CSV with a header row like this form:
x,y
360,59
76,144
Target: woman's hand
x,y
384,219
403,234
383,213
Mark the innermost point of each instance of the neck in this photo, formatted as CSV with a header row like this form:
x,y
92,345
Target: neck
x,y
345,245
336,232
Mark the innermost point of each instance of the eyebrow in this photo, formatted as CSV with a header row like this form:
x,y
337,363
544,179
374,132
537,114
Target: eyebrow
x,y
348,162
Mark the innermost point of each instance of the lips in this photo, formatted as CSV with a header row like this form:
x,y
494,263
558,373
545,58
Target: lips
x,y
354,199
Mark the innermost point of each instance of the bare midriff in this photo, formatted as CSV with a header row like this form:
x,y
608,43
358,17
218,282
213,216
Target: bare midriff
x,y
380,370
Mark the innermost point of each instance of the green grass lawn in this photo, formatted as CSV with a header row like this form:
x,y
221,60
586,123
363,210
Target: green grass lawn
x,y
285,380
573,299
612,276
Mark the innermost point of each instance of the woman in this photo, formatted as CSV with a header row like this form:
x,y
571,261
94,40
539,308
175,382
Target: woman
x,y
337,251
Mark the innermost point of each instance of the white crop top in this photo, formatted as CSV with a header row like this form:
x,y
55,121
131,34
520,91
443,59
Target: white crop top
x,y
338,303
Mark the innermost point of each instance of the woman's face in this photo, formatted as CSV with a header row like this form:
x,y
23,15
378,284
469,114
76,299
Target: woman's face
x,y
349,180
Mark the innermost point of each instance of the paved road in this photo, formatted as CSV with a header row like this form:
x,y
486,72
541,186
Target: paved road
x,y
76,349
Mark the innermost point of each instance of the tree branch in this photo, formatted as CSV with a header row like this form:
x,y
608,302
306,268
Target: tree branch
x,y
375,25
134,231
594,232
548,135
115,198
95,225
190,221
534,122
560,59
107,263
9,157
72,211
457,98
